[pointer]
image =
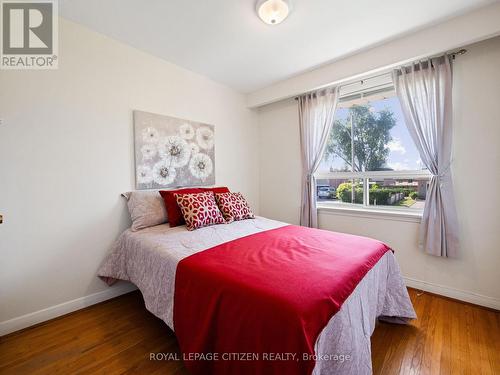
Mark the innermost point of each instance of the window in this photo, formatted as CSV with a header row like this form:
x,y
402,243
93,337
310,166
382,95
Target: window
x,y
370,159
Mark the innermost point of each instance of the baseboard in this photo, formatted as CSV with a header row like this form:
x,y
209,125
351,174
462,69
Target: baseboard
x,y
52,312
24,321
476,299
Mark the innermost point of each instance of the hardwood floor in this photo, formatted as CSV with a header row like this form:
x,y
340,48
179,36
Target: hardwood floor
x,y
449,337
117,336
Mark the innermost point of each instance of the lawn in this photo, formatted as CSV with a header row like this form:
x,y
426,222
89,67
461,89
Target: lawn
x,y
405,202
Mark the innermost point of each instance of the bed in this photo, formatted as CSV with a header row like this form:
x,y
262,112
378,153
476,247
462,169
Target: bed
x,y
149,258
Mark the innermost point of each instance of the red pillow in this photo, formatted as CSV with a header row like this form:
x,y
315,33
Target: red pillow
x,y
174,213
234,206
217,190
199,210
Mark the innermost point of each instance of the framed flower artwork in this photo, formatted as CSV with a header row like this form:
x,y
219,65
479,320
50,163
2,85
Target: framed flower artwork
x,y
172,152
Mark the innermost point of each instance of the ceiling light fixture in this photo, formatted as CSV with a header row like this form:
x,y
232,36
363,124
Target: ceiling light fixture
x,y
273,12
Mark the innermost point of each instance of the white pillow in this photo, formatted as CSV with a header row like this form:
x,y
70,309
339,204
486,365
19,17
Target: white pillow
x,y
146,209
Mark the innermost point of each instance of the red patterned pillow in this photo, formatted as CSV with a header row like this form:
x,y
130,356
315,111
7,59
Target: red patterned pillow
x,y
199,210
234,206
173,212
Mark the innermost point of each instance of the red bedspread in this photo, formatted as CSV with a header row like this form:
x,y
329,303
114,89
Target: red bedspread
x,y
256,305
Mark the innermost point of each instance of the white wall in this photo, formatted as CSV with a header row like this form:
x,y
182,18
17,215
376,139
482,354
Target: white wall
x,y
66,154
475,275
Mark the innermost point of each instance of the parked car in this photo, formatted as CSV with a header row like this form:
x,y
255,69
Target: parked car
x,y
324,192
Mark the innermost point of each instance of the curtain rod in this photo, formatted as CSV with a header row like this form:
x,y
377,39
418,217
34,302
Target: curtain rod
x,y
453,55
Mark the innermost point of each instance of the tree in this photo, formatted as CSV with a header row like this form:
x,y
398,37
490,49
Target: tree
x,y
371,136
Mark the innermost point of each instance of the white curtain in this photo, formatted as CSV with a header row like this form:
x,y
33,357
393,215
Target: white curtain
x,y
316,116
425,92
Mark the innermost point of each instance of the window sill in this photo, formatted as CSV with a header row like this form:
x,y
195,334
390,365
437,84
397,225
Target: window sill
x,y
370,213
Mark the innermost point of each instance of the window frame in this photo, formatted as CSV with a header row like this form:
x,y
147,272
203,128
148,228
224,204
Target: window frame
x,y
360,88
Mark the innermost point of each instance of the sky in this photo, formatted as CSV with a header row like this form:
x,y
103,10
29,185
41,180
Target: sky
x,y
403,153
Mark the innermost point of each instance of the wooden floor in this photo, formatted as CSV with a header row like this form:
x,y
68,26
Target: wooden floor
x,y
117,337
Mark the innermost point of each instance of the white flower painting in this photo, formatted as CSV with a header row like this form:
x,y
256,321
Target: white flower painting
x,y
175,150
148,151
201,166
144,174
186,131
150,135
205,137
194,148
163,173
171,152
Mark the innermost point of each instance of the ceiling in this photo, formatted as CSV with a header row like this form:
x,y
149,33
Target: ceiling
x,y
226,41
